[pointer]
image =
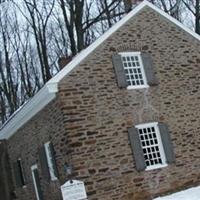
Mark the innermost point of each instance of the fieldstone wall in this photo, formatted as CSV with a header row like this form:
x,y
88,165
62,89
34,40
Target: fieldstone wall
x,y
88,121
46,126
97,113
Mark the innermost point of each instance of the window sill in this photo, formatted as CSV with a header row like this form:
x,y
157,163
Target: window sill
x,y
137,87
156,167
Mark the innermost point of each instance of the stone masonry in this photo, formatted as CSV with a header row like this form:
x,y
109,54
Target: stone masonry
x,y
46,125
88,121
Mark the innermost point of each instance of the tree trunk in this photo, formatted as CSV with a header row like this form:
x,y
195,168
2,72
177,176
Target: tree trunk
x,y
69,27
78,24
197,17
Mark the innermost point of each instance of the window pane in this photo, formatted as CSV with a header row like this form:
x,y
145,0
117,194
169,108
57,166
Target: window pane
x,y
133,70
150,145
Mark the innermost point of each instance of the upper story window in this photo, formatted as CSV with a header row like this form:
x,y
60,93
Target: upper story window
x,y
48,162
151,145
133,69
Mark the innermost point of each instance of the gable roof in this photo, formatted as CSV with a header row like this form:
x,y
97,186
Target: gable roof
x,y
49,90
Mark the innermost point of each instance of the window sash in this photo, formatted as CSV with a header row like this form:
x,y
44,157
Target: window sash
x,y
49,161
140,67
33,168
160,145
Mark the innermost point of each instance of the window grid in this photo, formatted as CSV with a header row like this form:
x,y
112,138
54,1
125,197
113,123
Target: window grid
x,y
151,145
49,161
133,69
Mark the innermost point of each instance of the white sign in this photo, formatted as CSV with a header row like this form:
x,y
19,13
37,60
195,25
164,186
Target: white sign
x,y
73,190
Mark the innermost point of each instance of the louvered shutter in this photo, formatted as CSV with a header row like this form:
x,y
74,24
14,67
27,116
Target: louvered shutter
x,y
119,71
136,148
17,175
53,159
149,69
44,164
37,182
167,143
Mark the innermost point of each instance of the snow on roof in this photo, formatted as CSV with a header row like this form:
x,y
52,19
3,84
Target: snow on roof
x,y
66,70
189,194
28,110
48,92
13,114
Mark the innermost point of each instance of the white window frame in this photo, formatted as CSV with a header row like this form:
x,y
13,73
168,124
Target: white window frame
x,y
138,54
33,167
160,145
49,161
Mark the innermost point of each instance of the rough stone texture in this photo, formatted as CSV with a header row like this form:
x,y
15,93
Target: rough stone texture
x,y
46,126
88,121
97,113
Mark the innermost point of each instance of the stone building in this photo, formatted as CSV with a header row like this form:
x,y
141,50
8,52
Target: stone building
x,y
124,114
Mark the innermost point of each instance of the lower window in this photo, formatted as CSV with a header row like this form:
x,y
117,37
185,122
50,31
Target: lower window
x,y
36,182
152,146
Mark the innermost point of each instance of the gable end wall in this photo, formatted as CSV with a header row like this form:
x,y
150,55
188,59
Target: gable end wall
x,y
46,126
88,120
97,113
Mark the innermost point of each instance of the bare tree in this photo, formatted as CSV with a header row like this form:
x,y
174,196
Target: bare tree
x,y
51,29
21,46
8,73
194,8
39,15
79,18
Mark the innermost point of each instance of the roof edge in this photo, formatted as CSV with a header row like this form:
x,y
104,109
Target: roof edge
x,y
48,92
173,20
84,53
28,110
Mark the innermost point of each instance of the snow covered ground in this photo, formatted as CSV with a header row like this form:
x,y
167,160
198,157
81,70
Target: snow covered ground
x,y
189,194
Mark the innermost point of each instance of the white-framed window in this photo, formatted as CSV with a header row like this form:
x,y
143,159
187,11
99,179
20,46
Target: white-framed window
x,y
50,162
134,70
36,181
152,146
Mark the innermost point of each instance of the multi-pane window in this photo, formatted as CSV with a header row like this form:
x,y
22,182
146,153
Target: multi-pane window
x,y
133,69
50,161
36,182
151,145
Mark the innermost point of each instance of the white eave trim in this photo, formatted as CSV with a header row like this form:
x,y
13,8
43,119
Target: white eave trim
x,y
84,53
47,93
28,110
